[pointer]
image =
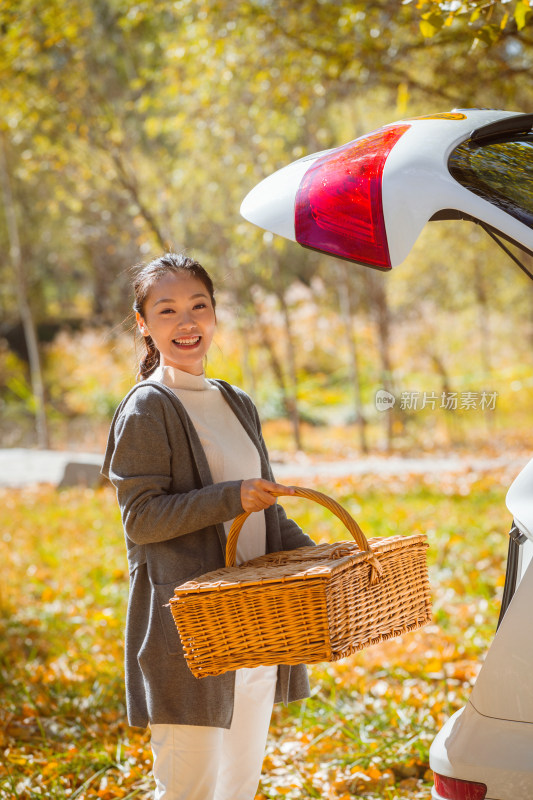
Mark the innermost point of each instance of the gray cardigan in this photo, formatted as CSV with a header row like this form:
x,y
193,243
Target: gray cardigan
x,y
172,515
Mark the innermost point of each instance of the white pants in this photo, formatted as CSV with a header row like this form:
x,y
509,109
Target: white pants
x,y
200,763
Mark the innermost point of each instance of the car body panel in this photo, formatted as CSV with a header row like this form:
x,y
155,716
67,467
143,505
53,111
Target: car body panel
x,y
519,500
416,185
525,559
490,740
272,200
422,154
503,688
476,748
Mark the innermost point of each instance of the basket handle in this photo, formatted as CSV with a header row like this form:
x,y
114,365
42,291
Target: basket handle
x,y
323,500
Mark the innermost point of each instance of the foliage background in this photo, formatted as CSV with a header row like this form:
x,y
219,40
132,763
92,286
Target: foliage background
x,y
129,127
365,731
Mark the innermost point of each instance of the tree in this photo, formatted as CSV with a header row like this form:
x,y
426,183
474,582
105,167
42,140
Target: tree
x,y
134,127
25,311
346,309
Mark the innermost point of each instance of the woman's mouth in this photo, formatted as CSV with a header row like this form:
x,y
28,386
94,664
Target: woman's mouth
x,y
185,342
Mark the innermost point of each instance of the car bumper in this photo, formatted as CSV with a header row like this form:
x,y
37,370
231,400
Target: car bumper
x,y
496,752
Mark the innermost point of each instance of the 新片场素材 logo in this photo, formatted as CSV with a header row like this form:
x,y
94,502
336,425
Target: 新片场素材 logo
x,y
384,400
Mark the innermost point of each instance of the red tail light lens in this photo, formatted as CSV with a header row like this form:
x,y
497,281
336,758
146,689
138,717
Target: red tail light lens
x,y
454,789
338,206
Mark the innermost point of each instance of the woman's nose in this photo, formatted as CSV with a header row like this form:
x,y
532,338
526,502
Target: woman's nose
x,y
186,321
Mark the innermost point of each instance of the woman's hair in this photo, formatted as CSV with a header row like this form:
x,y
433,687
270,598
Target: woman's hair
x,y
145,277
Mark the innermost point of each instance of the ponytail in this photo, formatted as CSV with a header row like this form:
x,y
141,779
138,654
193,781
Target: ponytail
x,y
150,361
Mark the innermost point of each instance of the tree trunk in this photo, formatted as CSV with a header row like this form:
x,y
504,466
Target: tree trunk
x,y
381,312
279,375
248,372
25,311
446,391
128,181
292,392
484,319
345,302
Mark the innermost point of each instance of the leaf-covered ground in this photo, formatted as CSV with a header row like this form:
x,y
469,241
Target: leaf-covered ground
x,y
365,731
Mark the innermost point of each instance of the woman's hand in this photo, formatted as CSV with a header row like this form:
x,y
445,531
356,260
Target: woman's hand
x,y
256,493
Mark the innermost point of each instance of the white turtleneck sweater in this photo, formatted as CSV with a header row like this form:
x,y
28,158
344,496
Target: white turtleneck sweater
x,y
230,452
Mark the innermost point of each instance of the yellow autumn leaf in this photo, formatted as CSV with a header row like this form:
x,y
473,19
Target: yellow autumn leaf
x,y
427,29
522,13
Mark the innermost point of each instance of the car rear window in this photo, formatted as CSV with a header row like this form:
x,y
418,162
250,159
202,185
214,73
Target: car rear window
x,y
500,172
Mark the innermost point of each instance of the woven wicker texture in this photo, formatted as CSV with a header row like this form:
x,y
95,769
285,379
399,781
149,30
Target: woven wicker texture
x,y
303,606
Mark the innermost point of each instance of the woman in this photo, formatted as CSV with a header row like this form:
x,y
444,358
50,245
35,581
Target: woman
x,y
186,456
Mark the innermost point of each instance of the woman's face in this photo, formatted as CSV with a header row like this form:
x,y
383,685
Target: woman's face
x,y
180,318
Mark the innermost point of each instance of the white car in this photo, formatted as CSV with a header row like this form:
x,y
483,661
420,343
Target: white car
x,y
367,202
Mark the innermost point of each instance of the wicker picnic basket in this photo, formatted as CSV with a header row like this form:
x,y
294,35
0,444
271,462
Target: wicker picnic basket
x,y
303,606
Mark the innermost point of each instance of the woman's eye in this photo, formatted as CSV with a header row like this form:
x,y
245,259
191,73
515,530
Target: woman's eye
x,y
167,311
200,305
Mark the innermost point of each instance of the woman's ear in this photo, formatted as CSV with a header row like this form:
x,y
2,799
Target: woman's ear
x,y
141,324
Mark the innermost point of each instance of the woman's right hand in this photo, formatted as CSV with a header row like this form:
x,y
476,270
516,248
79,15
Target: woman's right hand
x,y
256,493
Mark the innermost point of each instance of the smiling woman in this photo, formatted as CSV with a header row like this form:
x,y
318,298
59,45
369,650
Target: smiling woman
x,y
180,319
175,312
186,455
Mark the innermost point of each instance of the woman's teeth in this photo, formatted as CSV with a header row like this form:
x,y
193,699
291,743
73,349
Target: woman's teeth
x,y
187,342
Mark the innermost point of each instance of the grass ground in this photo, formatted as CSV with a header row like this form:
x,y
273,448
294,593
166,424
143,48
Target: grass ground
x,y
365,731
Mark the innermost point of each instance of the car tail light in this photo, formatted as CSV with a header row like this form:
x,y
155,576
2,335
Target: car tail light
x,y
338,207
455,789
